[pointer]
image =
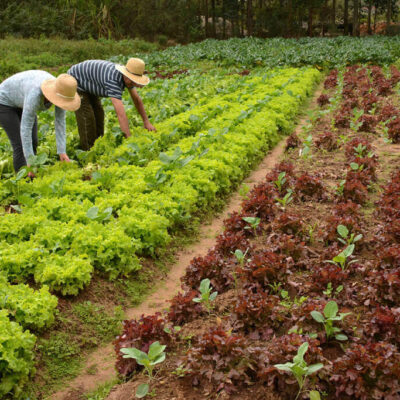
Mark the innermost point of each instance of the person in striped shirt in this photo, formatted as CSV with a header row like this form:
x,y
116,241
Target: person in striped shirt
x,y
98,78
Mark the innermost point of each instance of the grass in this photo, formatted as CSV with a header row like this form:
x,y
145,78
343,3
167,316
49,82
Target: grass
x,y
102,391
57,55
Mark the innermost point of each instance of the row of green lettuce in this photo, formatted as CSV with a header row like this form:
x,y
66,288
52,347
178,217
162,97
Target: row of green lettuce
x,y
74,222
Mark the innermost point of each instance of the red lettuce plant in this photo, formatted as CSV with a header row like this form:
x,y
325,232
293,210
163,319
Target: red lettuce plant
x,y
395,75
221,359
369,101
265,267
293,141
183,309
327,141
323,99
212,266
309,187
139,333
331,80
370,371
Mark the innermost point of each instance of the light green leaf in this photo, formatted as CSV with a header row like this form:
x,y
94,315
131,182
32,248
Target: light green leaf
x,y
131,352
318,316
284,367
155,350
342,231
341,337
331,309
142,390
314,395
314,368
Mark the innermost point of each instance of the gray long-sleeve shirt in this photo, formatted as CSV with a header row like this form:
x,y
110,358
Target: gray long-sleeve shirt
x,y
23,90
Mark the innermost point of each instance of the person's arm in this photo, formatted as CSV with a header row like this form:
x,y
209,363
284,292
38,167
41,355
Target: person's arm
x,y
29,110
61,136
121,114
140,107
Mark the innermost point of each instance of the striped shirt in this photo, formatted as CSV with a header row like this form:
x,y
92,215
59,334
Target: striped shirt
x,y
98,77
23,90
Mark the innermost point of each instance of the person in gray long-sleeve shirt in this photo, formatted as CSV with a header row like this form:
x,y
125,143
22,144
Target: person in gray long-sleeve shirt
x,y
21,97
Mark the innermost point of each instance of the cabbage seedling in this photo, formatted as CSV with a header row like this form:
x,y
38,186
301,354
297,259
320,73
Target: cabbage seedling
x,y
327,319
286,199
344,235
300,369
341,259
280,181
206,297
254,222
156,355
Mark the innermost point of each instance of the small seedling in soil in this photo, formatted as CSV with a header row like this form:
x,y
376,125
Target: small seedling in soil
x,y
356,167
359,150
180,371
341,259
175,329
280,181
156,355
305,151
355,124
206,297
311,231
301,370
327,319
288,303
340,188
275,287
284,201
345,238
330,292
240,256
254,222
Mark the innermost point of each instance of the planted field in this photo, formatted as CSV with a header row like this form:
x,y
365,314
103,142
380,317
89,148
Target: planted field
x,y
299,296
125,199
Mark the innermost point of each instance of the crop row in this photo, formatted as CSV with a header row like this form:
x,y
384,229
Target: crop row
x,y
249,52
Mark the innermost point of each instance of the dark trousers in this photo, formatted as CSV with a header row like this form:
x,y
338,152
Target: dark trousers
x,y
10,121
90,119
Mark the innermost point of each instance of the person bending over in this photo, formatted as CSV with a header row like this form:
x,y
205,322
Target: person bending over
x,y
22,96
98,78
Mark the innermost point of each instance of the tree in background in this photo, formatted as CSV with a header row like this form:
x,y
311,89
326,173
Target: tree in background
x,y
191,20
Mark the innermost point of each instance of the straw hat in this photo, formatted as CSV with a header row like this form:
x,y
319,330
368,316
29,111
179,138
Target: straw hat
x,y
62,92
134,70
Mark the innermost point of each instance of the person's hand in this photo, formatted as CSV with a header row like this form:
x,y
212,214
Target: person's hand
x,y
31,175
64,157
149,126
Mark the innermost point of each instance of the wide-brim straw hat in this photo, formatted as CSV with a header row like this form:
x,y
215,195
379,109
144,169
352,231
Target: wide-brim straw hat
x,y
62,92
134,70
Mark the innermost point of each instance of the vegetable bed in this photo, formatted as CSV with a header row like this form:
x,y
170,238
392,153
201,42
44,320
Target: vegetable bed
x,y
299,297
70,223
